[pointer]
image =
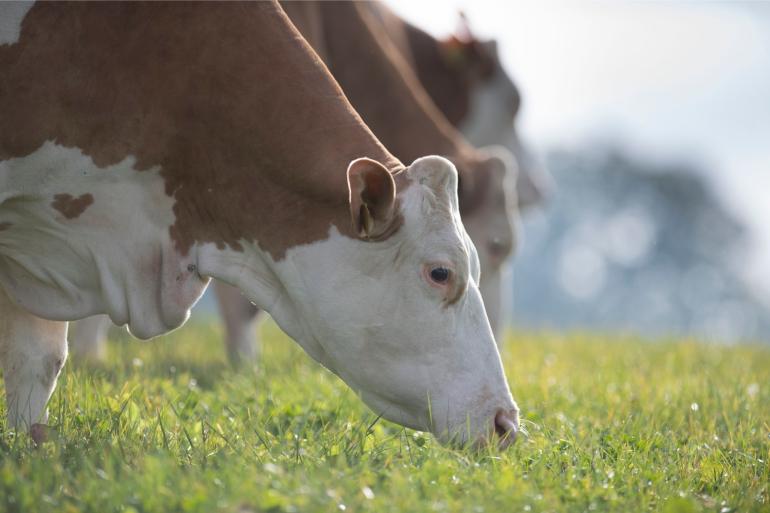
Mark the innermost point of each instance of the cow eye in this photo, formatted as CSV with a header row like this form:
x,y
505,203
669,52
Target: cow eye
x,y
439,274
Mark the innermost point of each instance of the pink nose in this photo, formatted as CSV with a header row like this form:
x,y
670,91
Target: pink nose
x,y
506,427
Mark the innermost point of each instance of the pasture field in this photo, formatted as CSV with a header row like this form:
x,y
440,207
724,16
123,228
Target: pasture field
x,y
614,424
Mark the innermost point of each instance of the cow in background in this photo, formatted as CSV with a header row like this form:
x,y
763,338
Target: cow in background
x,y
465,79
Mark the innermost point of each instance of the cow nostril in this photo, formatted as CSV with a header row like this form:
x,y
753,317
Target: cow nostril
x,y
506,428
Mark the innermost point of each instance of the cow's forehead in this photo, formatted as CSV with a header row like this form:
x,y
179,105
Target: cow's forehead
x,y
433,226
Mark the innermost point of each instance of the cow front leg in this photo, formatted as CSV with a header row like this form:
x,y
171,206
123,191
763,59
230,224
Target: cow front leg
x,y
88,338
240,318
32,353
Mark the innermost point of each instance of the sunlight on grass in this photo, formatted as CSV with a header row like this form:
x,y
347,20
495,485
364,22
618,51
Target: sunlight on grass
x,y
614,424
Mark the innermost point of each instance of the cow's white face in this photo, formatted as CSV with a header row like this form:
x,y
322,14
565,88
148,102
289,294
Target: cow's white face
x,y
401,320
494,104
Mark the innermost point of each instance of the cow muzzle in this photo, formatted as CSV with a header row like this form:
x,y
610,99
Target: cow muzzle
x,y
506,427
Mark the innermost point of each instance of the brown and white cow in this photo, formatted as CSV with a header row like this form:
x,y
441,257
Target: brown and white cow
x,y
145,148
383,88
466,80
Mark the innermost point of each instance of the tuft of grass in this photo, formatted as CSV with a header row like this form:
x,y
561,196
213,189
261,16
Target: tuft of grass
x,y
613,424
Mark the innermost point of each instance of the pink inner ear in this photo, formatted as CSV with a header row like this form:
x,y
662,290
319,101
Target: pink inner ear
x,y
375,185
372,195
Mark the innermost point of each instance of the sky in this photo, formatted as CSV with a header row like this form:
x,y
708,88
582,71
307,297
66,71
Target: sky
x,y
670,81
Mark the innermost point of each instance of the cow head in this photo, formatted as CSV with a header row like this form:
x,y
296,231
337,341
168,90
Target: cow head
x,y
493,103
494,99
493,106
396,311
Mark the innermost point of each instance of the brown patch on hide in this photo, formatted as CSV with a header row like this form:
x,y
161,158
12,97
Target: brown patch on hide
x,y
382,86
71,207
250,132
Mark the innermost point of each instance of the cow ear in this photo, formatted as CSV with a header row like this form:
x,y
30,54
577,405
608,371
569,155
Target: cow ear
x,y
463,31
372,197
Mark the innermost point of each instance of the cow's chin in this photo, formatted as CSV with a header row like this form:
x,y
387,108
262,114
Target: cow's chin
x,y
420,419
404,416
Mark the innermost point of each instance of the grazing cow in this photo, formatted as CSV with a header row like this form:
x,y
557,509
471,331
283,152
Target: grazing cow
x,y
383,88
465,79
148,147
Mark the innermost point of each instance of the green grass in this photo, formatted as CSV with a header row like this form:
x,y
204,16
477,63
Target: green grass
x,y
614,424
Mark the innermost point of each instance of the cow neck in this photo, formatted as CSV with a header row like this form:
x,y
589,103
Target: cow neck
x,y
250,132
382,86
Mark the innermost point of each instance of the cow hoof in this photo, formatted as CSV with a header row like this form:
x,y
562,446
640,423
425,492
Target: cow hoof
x,y
38,433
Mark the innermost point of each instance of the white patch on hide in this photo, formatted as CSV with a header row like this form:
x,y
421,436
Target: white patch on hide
x,y
116,257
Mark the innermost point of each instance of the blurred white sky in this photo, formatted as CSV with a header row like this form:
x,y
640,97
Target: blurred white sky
x,y
685,81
